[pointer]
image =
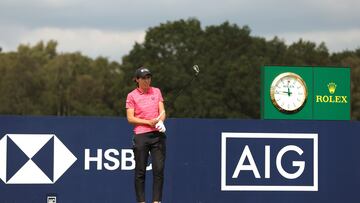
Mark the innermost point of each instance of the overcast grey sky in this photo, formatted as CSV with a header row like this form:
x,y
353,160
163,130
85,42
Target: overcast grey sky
x,y
110,27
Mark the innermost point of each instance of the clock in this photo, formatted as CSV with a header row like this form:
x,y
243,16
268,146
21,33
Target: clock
x,y
288,92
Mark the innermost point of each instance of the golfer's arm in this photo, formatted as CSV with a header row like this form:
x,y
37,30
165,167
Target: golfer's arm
x,y
133,120
162,109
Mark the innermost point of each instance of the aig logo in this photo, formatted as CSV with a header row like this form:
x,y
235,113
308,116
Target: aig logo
x,y
33,159
269,162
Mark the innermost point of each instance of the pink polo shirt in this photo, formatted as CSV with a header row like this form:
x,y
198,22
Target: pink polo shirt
x,y
145,105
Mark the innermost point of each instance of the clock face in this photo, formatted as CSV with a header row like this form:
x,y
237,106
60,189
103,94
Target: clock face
x,y
288,92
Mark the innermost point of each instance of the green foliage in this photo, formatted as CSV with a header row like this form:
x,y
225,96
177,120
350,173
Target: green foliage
x,y
36,80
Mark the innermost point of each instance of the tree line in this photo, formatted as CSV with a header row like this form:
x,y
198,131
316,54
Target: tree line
x,y
37,80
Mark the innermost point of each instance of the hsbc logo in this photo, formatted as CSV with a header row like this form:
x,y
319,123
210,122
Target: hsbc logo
x,y
269,162
33,159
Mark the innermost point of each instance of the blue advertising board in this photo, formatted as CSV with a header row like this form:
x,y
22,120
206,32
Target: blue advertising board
x,y
90,159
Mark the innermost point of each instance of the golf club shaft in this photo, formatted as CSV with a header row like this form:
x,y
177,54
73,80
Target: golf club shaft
x,y
196,70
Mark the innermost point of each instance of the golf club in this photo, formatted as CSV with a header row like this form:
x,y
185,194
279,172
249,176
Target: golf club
x,y
196,69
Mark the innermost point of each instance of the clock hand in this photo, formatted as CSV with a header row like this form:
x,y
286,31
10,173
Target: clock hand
x,y
289,92
288,89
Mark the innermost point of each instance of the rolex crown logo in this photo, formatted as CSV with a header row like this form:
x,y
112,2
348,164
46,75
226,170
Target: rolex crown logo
x,y
332,87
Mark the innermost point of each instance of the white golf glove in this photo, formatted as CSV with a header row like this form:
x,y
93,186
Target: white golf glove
x,y
160,126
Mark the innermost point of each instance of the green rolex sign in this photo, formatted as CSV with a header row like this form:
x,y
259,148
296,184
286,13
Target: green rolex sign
x,y
320,93
331,94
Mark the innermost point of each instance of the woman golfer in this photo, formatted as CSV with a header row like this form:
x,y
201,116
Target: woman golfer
x,y
145,110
